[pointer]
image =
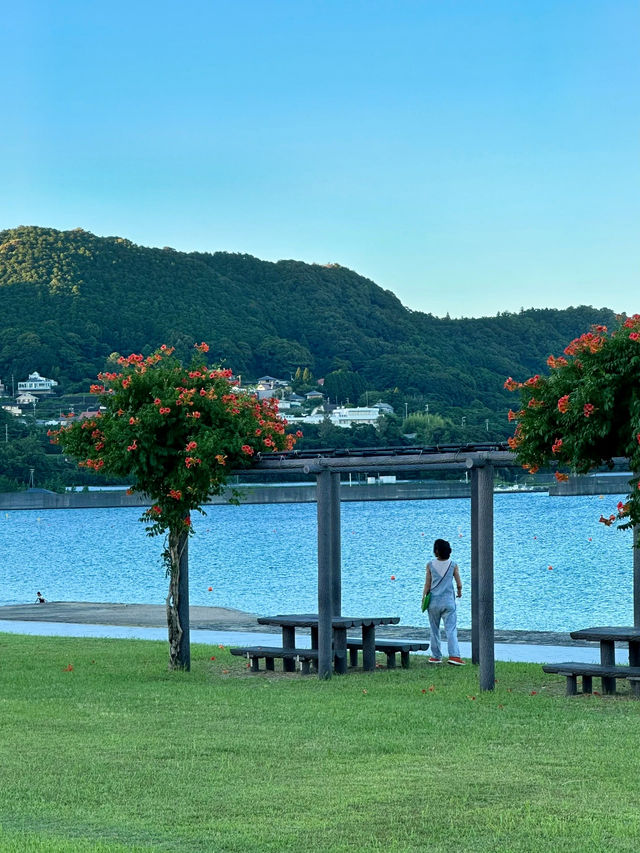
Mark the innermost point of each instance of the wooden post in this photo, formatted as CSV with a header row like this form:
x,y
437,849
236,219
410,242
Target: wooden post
x,y
475,612
636,576
183,603
325,591
485,577
336,565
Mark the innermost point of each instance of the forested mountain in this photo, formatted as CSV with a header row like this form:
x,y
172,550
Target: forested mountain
x,y
70,299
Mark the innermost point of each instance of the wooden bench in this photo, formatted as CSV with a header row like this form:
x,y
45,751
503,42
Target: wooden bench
x,y
389,647
270,653
588,671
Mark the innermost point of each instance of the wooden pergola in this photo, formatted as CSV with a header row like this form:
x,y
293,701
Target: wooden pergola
x,y
328,466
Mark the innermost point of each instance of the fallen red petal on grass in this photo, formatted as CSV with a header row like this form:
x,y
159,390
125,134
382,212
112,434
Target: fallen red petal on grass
x,y
68,668
213,657
424,690
534,693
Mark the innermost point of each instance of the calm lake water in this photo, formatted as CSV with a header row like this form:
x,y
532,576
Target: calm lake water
x,y
262,559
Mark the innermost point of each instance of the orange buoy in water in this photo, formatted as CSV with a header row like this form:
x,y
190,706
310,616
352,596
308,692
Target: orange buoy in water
x,y
393,577
550,568
210,589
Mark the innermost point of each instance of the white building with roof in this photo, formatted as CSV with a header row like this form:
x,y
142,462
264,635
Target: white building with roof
x,y
37,384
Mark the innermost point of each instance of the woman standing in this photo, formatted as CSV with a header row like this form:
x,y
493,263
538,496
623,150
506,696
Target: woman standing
x,y
441,573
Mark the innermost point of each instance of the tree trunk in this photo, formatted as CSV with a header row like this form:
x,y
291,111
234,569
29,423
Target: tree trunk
x,y
177,600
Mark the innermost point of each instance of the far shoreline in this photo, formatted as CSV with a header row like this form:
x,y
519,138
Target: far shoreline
x,y
227,619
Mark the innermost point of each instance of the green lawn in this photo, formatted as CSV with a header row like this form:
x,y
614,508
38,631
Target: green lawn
x,y
117,754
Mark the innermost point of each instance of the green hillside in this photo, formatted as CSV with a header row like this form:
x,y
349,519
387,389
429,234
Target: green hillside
x,y
69,299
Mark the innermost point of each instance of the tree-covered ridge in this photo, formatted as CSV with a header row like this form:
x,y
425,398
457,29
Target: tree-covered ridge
x,y
70,299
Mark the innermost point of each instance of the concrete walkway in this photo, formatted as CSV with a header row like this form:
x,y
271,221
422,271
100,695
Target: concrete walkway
x,y
224,619
223,625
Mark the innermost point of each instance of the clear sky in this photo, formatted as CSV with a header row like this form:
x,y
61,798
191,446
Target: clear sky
x,y
472,156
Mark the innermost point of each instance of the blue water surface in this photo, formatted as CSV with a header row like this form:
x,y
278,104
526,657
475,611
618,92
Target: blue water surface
x,y
263,558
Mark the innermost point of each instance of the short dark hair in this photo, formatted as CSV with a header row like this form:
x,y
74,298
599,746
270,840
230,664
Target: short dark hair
x,y
442,549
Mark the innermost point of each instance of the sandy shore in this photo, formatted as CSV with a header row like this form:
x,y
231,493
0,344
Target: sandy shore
x,y
138,615
222,619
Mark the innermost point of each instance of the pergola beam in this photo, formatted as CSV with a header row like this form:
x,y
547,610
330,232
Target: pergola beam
x,y
360,464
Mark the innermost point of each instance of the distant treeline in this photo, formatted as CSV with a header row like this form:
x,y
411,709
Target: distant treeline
x,y
70,300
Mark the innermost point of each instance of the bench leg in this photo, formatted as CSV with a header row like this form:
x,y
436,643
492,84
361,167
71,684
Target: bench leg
x,y
368,647
305,667
572,685
608,658
255,664
353,657
404,660
634,684
391,660
587,684
340,650
289,642
269,664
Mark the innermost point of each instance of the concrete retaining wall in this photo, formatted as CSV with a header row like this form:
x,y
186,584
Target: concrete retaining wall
x,y
593,484
41,499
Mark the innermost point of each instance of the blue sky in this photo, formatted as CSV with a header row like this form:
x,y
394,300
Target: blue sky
x,y
472,156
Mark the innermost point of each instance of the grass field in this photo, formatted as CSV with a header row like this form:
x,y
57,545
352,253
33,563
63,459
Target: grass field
x,y
102,749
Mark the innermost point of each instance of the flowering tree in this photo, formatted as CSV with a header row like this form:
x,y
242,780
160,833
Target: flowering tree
x,y
176,432
587,411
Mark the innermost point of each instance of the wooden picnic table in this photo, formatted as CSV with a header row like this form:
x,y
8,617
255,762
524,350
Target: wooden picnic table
x,y
608,636
340,624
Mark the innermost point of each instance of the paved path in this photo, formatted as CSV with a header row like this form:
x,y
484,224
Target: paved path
x,y
223,619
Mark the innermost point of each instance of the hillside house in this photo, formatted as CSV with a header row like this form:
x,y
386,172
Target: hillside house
x,y
26,399
37,384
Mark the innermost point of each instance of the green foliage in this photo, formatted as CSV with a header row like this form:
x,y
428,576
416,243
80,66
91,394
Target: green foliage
x,y
587,411
69,299
432,429
343,385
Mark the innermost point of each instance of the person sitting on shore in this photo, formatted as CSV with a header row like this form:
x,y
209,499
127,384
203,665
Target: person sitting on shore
x,y
40,599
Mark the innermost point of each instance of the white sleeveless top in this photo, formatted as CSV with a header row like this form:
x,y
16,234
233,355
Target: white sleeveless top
x,y
441,585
